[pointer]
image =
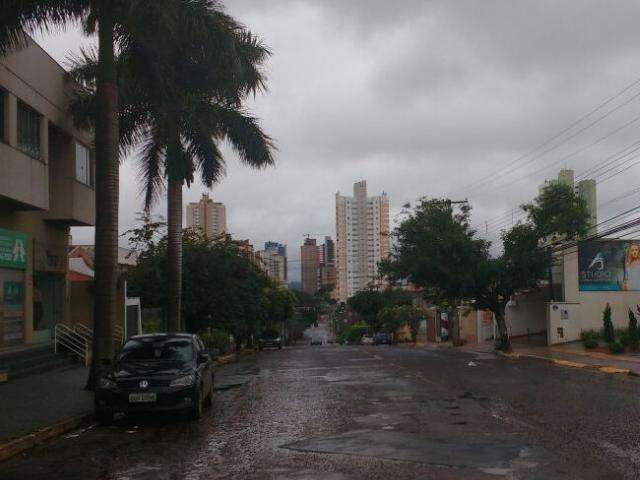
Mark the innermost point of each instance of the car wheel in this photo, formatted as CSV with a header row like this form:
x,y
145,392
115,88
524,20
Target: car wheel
x,y
104,416
198,409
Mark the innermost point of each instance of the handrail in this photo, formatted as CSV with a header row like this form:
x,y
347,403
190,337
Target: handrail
x,y
79,339
73,341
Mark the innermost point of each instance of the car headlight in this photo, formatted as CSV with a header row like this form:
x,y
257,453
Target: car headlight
x,y
185,381
107,383
277,339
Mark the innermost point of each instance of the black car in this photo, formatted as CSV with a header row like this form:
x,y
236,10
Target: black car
x,y
157,373
382,338
270,339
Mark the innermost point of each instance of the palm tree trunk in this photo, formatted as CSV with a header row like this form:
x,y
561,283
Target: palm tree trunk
x,y
174,253
107,190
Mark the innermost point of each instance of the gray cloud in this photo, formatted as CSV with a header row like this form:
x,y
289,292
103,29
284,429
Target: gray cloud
x,y
420,98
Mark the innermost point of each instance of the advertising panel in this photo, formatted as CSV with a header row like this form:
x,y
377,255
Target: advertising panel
x,y
13,249
609,265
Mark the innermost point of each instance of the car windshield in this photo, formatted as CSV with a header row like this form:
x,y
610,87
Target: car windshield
x,y
270,334
157,349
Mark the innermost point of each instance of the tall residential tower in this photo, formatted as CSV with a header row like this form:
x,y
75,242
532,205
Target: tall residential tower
x,y
362,238
207,216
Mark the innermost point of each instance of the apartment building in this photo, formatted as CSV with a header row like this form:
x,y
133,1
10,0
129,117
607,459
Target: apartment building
x,y
362,238
274,257
310,265
207,217
46,187
585,188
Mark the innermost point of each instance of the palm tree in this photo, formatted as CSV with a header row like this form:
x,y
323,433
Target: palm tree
x,y
117,23
179,99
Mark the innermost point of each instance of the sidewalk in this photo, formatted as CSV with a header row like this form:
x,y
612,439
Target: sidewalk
x,y
38,401
569,354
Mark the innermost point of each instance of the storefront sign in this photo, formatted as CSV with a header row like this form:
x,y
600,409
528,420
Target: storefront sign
x,y
13,249
609,265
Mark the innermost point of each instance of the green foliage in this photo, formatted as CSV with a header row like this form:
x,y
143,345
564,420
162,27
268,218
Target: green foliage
x,y
559,212
633,332
153,325
589,334
616,346
353,333
608,332
216,340
369,305
222,289
590,343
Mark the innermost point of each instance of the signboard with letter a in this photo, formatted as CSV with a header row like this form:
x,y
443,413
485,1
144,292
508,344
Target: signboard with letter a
x,y
13,249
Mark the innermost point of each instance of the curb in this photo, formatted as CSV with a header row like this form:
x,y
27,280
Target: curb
x,y
18,445
225,359
571,364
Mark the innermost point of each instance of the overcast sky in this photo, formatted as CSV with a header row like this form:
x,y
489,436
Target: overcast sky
x,y
424,98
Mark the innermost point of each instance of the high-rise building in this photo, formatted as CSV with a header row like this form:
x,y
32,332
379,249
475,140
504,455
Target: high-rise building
x,y
207,217
328,275
274,257
310,264
362,237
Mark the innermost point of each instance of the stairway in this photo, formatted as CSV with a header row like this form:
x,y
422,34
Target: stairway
x,y
33,360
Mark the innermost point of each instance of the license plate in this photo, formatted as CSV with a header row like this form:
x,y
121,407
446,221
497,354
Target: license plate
x,y
142,397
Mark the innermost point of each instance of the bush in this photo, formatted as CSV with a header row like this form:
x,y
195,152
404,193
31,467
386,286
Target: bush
x,y
607,325
633,332
217,341
624,339
353,333
589,334
590,343
616,347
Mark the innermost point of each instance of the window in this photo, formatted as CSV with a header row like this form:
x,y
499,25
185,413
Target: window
x,y
83,164
28,130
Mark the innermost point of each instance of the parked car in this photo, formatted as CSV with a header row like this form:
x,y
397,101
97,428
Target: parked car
x,y
157,373
367,339
382,338
316,341
270,339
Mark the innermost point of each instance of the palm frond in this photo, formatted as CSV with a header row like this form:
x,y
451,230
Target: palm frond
x,y
20,16
150,167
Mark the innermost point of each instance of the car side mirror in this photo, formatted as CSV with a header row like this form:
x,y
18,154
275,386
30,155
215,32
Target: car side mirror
x,y
204,358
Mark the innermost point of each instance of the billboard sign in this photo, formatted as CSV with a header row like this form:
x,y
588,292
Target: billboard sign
x,y
609,265
13,249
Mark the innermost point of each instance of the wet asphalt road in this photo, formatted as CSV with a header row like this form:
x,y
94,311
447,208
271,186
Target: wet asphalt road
x,y
371,413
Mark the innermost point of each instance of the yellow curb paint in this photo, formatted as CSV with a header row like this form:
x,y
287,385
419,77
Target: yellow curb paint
x,y
624,371
567,363
511,355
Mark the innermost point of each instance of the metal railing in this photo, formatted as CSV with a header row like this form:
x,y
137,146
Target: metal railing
x,y
70,339
79,340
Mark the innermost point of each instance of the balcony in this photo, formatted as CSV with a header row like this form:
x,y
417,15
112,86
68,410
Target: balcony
x,y
24,180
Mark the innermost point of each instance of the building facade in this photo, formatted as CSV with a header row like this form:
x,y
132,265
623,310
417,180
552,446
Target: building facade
x,y
310,265
274,257
207,217
362,239
46,186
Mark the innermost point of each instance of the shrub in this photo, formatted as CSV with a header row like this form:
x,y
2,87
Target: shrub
x,y
589,334
353,333
616,347
217,341
624,338
590,343
607,325
633,332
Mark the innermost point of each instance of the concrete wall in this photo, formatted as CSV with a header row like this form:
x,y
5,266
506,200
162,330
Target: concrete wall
x,y
563,319
526,313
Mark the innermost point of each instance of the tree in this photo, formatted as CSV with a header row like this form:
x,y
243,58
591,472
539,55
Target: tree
x,y
117,23
634,333
180,96
436,249
608,331
222,288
